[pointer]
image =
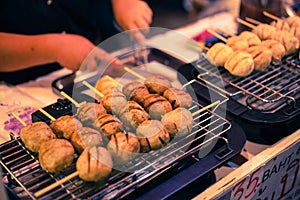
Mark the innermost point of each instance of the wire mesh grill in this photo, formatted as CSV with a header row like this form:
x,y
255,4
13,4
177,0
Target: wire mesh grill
x,y
266,90
27,177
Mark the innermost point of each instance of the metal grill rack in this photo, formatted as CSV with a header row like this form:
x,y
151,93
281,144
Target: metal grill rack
x,y
266,91
27,177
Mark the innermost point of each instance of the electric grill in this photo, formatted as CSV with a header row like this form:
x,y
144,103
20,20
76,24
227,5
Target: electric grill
x,y
265,104
159,174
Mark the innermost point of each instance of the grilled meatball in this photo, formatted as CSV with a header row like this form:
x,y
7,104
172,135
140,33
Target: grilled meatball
x,y
135,91
264,31
156,106
240,63
278,50
132,115
289,41
65,126
178,98
262,56
94,164
152,135
56,155
251,38
218,54
88,112
296,32
178,122
281,25
123,147
108,124
293,21
157,84
33,135
86,137
105,85
114,101
237,43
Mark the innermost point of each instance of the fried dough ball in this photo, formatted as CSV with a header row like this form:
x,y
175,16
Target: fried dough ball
x,y
65,126
94,164
56,155
251,38
133,115
289,41
123,147
293,21
240,63
33,135
281,25
178,122
108,124
262,56
157,84
114,101
237,43
178,98
135,91
86,137
88,112
278,50
218,54
156,106
152,135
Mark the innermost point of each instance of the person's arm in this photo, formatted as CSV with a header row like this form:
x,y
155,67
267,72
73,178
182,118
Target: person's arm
x,y
22,51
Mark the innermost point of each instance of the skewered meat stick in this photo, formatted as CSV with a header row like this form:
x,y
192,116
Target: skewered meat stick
x,y
218,54
262,56
133,115
235,42
155,83
33,135
123,147
112,101
108,124
157,106
152,135
94,164
293,21
135,91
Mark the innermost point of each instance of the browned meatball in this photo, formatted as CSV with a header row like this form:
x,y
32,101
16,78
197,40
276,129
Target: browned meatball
x,y
33,135
123,147
178,122
56,155
261,55
157,84
94,164
88,112
86,137
132,115
156,106
65,126
114,101
108,124
178,98
135,91
105,85
152,135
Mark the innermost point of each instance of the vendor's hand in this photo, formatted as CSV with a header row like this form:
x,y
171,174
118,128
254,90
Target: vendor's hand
x,y
133,15
73,50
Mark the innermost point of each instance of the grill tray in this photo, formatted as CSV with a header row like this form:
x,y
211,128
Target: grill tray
x,y
26,176
266,103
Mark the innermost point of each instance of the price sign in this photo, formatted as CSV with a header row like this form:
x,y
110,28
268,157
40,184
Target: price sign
x,y
278,179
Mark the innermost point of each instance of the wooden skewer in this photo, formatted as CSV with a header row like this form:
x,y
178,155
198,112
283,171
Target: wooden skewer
x,y
267,14
245,23
135,73
19,119
254,21
115,81
54,185
93,88
70,98
217,35
45,113
225,32
206,107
